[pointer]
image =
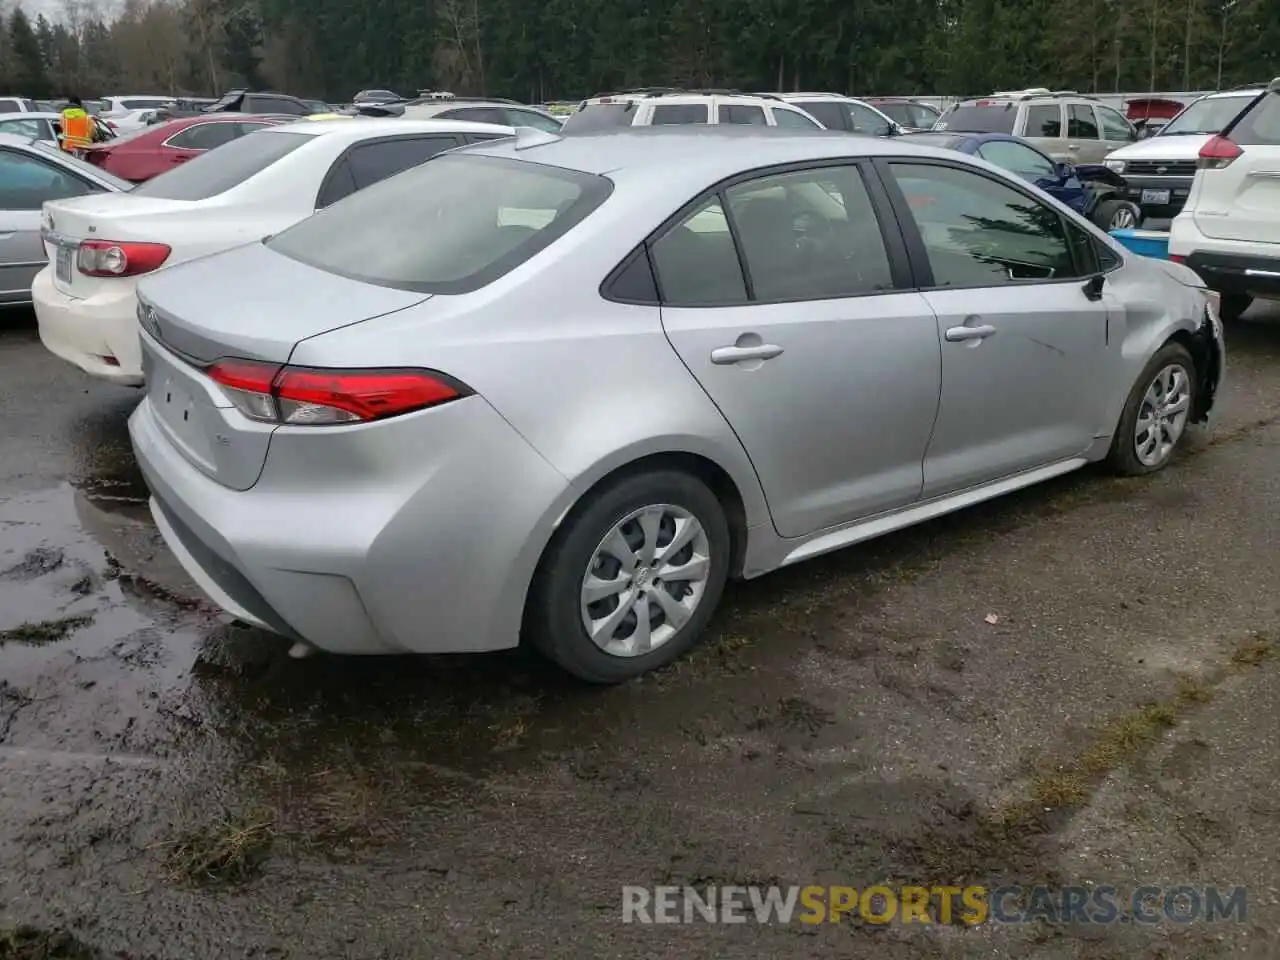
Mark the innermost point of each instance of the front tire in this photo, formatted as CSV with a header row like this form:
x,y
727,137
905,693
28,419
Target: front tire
x,y
1156,414
631,578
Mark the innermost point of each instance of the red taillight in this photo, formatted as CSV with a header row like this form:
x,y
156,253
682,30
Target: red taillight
x,y
1218,153
1177,258
119,258
312,396
96,157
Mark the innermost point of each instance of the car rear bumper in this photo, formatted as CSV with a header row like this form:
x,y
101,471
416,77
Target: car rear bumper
x,y
98,334
1238,273
1178,187
414,535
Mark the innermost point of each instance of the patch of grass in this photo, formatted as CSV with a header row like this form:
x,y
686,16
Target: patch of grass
x,y
1252,651
231,851
46,631
28,943
1192,690
1072,783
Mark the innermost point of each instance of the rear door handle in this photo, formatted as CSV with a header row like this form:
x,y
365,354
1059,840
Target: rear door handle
x,y
960,334
763,351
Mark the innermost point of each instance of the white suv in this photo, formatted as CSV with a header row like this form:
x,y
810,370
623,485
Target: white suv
x,y
661,106
1229,231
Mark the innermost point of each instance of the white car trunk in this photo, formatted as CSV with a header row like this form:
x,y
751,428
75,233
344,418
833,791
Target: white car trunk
x,y
1242,201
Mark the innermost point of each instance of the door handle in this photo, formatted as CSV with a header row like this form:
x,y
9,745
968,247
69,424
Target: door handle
x,y
960,334
763,351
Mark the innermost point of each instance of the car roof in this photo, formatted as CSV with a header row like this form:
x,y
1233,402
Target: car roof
x,y
714,150
357,128
34,115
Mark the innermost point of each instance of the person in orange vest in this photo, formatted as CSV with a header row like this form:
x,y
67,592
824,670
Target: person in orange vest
x,y
77,126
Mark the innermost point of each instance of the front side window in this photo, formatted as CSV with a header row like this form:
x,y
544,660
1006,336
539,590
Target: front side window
x,y
742,113
1044,121
1081,124
978,232
35,129
217,171
697,262
531,118
1114,126
679,113
475,115
810,235
865,120
451,225
1017,158
27,182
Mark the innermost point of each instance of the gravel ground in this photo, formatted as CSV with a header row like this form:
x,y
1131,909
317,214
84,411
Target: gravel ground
x,y
1078,684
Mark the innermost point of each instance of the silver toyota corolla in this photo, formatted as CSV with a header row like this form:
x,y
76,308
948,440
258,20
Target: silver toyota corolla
x,y
562,388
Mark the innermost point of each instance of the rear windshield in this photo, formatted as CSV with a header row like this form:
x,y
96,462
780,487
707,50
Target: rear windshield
x,y
943,141
218,170
996,117
601,116
451,225
1260,124
1206,116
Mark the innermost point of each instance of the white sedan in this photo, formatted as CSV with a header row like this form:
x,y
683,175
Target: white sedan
x,y
240,192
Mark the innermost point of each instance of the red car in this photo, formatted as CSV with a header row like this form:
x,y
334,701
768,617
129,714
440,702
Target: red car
x,y
143,154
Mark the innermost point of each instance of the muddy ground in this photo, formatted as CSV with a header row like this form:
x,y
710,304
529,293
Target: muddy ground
x,y
1078,684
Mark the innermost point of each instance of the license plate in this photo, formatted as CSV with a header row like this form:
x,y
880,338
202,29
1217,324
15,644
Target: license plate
x,y
62,264
1155,196
175,406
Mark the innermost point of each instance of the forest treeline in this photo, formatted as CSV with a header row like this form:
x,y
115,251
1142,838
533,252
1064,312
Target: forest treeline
x,y
537,50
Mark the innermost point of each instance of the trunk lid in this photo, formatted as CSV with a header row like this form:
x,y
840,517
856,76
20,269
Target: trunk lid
x,y
103,216
1240,201
276,303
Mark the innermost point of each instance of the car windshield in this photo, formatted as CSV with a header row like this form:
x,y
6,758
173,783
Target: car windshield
x,y
82,166
996,116
601,116
1209,115
218,170
451,225
915,115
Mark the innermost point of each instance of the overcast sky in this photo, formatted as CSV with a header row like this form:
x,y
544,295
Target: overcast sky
x,y
52,9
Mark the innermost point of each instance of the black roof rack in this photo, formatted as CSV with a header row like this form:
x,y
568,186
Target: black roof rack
x,y
1249,86
678,91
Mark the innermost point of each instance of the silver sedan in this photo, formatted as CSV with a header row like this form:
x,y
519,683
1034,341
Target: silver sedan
x,y
562,388
33,170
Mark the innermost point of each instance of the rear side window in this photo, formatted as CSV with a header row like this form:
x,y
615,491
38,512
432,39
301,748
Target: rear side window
x,y
371,162
1259,125
601,116
449,226
674,113
230,165
206,136
793,119
697,262
827,112
997,117
10,106
741,113
1044,121
1081,123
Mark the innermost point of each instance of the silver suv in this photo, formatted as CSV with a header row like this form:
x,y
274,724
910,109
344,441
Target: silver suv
x,y
835,111
667,106
1064,124
503,113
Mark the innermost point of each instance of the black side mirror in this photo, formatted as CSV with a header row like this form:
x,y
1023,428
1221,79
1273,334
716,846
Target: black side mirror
x,y
1093,287
1063,170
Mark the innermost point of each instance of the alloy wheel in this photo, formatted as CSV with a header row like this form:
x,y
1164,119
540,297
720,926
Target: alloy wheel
x,y
645,579
1123,219
1163,415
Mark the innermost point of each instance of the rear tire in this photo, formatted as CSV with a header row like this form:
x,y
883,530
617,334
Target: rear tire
x,y
1117,215
1233,305
1157,413
615,546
